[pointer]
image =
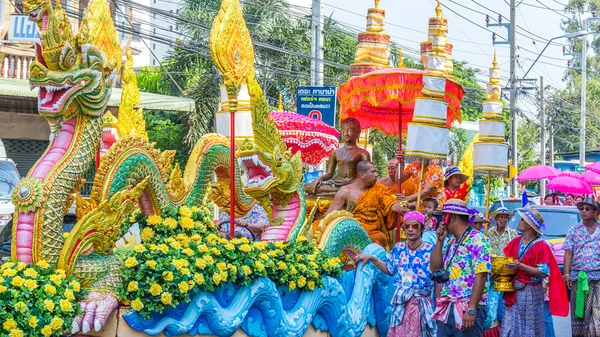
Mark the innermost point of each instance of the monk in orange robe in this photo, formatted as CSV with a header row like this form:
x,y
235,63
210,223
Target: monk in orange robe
x,y
391,182
369,201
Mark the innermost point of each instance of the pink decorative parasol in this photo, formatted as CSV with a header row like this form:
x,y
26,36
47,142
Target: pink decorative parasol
x,y
314,138
569,174
591,178
384,99
538,172
567,184
595,167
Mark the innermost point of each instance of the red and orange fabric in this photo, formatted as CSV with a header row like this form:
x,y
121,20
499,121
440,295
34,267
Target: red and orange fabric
x,y
460,193
371,210
433,175
539,253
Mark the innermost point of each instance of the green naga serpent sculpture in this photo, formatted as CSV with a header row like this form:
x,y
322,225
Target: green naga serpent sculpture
x,y
74,75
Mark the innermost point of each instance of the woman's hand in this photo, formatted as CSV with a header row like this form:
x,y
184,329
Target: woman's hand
x,y
364,258
514,266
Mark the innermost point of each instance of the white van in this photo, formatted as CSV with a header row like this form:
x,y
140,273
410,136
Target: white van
x,y
9,177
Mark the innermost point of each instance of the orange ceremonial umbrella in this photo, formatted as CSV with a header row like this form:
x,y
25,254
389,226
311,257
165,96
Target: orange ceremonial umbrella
x,y
385,99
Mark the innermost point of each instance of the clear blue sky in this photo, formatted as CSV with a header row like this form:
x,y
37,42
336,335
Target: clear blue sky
x,y
406,22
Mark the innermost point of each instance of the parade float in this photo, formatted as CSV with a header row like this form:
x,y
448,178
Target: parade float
x,y
490,151
183,278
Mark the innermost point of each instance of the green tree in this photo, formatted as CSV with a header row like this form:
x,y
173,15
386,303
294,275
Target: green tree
x,y
167,133
528,135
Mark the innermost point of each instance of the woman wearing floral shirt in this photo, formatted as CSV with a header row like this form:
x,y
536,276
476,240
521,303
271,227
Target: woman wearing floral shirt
x,y
409,263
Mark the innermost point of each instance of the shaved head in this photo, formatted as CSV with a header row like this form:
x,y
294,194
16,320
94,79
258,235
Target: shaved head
x,y
363,166
393,161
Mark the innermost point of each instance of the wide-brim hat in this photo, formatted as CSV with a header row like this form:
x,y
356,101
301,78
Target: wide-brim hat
x,y
453,171
589,201
480,218
534,219
456,206
500,211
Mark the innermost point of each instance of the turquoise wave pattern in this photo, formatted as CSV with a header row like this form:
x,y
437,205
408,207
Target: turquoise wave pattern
x,y
342,307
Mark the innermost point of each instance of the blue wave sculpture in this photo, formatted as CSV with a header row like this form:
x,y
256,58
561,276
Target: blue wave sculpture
x,y
342,307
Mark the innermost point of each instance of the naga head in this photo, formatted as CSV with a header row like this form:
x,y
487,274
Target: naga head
x,y
74,73
38,11
268,166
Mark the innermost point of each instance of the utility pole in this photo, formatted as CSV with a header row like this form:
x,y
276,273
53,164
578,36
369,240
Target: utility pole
x,y
583,98
316,62
542,136
551,144
513,91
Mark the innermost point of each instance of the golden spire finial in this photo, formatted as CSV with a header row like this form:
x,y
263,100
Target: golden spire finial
x,y
495,62
438,9
400,59
280,107
377,3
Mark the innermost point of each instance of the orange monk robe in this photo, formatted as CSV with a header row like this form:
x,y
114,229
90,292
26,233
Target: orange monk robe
x,y
371,210
391,220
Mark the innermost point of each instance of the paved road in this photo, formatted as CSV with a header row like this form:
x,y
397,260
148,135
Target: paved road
x,y
562,326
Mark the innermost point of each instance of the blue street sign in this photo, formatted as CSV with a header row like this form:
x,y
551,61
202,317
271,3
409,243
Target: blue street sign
x,y
22,29
317,102
310,176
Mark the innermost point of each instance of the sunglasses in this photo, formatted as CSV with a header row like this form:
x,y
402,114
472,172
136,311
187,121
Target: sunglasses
x,y
411,225
586,208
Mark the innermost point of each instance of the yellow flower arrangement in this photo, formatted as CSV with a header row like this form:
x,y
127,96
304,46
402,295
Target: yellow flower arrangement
x,y
137,304
184,287
139,249
171,223
30,284
132,286
191,260
147,234
49,289
154,220
16,333
185,211
33,322
131,262
49,305
166,298
30,272
56,323
186,223
65,305
35,292
168,276
17,281
155,289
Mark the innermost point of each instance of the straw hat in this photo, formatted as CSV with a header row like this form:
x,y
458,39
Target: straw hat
x,y
534,219
452,171
500,211
456,206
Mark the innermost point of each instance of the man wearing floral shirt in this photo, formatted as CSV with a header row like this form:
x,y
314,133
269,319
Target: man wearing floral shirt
x,y
582,270
460,306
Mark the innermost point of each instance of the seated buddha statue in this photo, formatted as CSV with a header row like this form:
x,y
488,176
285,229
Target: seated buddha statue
x,y
344,159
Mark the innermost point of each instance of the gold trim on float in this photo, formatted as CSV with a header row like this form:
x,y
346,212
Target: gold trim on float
x,y
425,154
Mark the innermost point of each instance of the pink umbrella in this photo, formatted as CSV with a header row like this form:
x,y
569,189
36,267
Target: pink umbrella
x,y
569,174
315,139
591,177
595,167
538,172
567,184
